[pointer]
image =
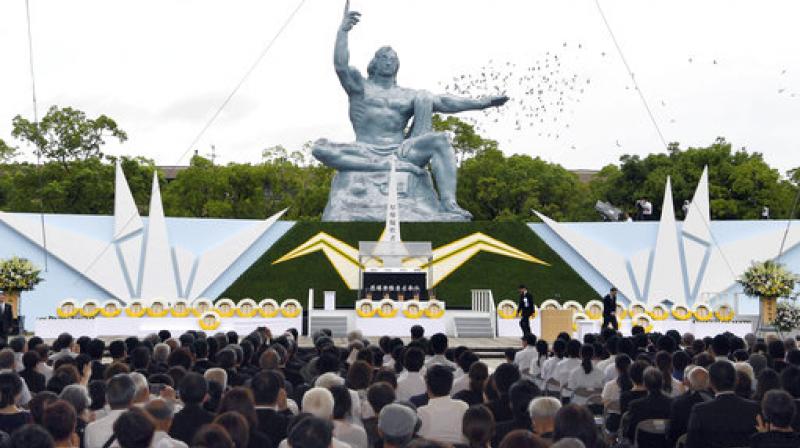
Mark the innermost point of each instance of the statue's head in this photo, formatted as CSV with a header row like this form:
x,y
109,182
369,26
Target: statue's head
x,y
385,63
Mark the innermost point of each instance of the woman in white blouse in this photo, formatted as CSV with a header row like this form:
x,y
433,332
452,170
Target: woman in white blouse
x,y
549,366
586,375
621,383
565,367
538,361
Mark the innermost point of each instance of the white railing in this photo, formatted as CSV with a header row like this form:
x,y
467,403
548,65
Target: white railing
x,y
310,310
483,302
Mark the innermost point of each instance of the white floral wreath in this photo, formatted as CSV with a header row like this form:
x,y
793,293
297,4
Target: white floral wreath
x,y
371,310
164,308
253,308
550,304
647,325
131,313
225,302
116,312
658,312
210,326
63,314
572,305
592,305
503,312
186,308
291,313
92,313
435,309
681,312
413,315
702,312
262,305
724,313
209,305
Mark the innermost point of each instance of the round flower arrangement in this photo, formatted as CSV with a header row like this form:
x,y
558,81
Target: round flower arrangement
x,y
18,274
365,308
507,309
67,308
594,309
577,317
573,305
110,309
180,308
658,312
413,309
787,317
643,320
702,312
201,306
135,309
724,313
291,308
435,309
768,279
158,308
622,313
209,321
225,307
268,308
387,308
681,312
550,304
247,308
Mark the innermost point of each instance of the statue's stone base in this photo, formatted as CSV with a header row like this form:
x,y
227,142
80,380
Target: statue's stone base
x,y
361,196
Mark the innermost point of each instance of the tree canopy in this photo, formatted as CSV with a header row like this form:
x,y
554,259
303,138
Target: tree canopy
x,y
493,186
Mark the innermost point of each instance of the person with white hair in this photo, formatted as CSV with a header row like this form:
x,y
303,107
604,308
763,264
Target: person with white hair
x,y
330,379
697,379
161,353
318,401
142,394
78,396
543,412
217,375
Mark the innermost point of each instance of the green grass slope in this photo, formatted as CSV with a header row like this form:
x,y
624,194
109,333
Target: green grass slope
x,y
291,279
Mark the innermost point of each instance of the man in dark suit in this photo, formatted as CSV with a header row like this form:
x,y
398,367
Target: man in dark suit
x,y
682,406
525,309
193,391
610,310
269,393
6,316
655,405
727,420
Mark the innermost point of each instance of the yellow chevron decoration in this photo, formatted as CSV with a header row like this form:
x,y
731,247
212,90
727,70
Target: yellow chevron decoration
x,y
446,259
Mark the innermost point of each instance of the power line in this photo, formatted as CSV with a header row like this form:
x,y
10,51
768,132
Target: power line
x,y
36,122
242,80
630,73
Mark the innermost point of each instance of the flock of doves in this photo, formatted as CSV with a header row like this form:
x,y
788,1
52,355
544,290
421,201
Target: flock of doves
x,y
544,92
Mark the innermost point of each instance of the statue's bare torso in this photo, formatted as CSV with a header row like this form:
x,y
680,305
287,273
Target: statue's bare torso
x,y
380,115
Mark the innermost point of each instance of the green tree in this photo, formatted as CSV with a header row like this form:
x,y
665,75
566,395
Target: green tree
x,y
7,152
66,134
740,182
466,141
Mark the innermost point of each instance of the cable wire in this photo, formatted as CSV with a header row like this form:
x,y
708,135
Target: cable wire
x,y
36,122
242,80
630,73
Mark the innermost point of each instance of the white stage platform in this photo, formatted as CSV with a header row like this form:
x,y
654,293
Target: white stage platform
x,y
142,326
375,326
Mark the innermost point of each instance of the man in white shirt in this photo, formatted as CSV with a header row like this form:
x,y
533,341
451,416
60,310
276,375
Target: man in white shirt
x,y
465,362
119,396
411,381
162,413
442,417
567,365
396,425
8,364
439,347
528,353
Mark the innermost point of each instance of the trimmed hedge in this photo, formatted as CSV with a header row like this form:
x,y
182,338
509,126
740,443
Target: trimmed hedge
x,y
291,279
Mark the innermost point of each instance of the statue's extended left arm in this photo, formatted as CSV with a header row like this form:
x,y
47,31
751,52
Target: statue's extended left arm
x,y
451,104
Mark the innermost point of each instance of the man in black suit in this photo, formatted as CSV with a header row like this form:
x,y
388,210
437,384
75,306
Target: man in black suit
x,y
6,316
193,391
655,405
269,393
525,309
727,420
610,310
682,406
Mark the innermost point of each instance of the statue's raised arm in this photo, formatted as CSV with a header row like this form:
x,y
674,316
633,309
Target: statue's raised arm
x,y
351,79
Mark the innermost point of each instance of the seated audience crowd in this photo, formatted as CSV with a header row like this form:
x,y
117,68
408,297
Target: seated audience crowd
x,y
262,390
